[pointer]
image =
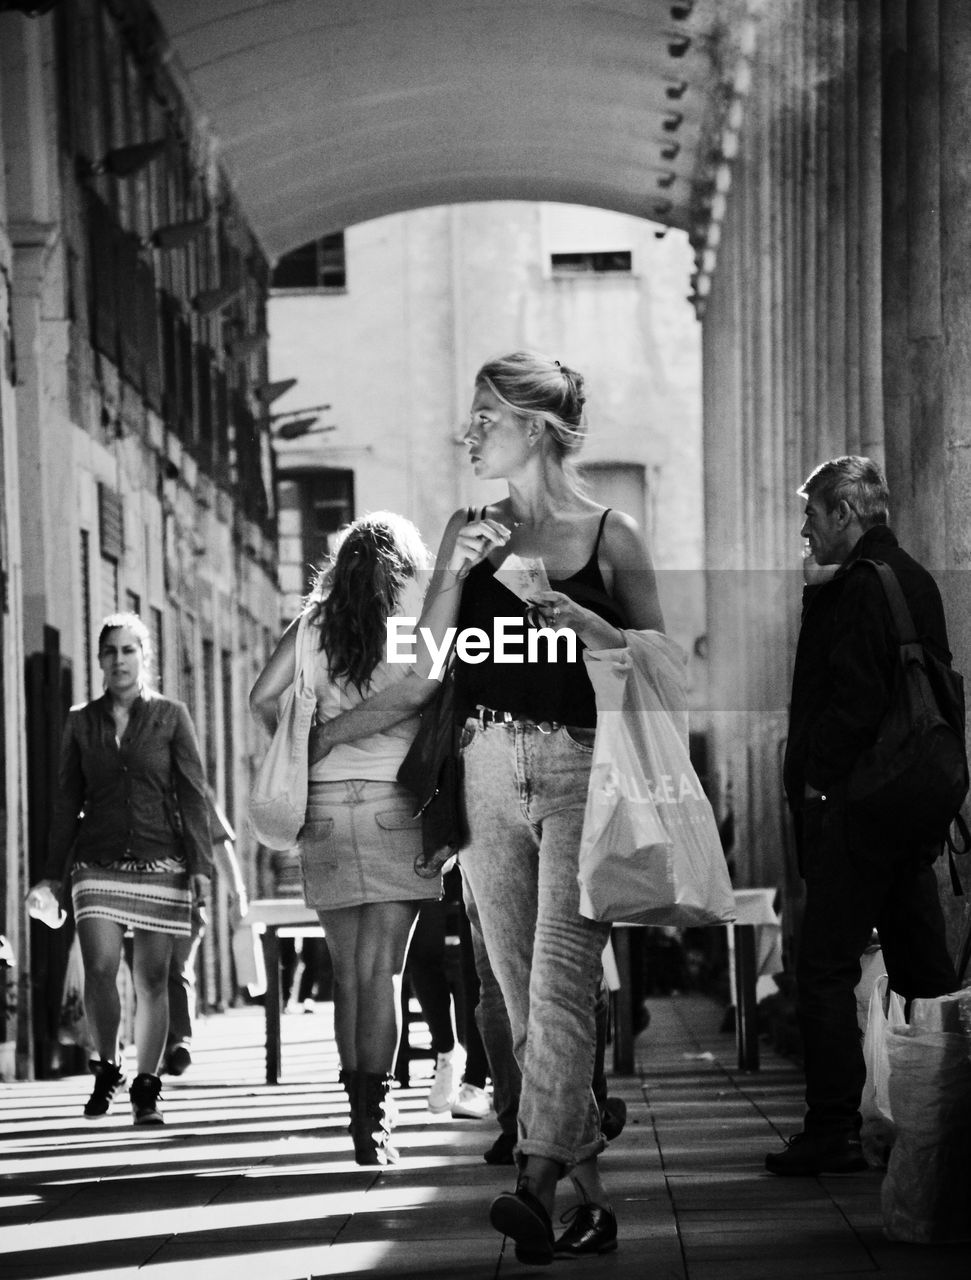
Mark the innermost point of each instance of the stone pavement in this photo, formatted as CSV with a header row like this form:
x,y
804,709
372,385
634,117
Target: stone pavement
x,y
250,1180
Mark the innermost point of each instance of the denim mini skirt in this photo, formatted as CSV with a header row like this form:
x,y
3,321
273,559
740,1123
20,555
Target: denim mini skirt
x,y
359,844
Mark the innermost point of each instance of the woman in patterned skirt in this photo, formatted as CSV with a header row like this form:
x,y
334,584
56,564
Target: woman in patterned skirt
x,y
130,819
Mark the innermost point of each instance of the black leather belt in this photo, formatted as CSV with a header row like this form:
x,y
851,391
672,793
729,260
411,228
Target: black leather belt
x,y
487,716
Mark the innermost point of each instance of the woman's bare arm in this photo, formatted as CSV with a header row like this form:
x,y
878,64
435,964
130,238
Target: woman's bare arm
x,y
635,581
275,678
461,545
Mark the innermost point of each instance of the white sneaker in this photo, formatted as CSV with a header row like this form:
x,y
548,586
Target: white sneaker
x,y
471,1103
443,1085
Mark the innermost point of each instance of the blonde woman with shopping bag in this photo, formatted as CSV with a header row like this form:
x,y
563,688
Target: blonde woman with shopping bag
x,y
527,742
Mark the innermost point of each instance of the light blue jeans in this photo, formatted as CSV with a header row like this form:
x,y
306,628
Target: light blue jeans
x,y
525,793
493,1023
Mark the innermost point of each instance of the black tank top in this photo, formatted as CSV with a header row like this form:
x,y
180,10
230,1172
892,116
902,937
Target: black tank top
x,y
541,690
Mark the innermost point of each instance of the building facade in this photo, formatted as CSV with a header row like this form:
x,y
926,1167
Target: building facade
x,y
388,337
135,461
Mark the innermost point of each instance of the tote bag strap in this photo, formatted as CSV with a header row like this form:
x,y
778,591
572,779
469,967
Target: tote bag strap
x,y
304,657
449,672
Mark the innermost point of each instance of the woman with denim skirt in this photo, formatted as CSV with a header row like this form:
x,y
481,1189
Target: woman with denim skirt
x,y
529,720
359,842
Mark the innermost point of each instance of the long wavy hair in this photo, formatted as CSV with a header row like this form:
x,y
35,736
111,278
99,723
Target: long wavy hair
x,y
356,592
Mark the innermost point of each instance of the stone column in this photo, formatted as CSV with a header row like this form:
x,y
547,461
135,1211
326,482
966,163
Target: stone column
x,y
955,249
924,318
870,233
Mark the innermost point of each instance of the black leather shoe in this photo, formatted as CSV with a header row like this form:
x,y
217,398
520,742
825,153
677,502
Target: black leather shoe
x,y
806,1155
521,1217
592,1229
613,1118
501,1151
178,1059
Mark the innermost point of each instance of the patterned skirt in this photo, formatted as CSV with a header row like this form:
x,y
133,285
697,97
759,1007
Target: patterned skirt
x,y
136,895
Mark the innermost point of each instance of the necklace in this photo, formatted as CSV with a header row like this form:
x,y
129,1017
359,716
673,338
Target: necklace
x,y
533,521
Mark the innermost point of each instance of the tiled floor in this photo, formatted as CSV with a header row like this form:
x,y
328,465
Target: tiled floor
x,y
249,1180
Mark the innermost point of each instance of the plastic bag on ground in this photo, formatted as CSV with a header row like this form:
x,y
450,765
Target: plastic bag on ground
x,y
926,1195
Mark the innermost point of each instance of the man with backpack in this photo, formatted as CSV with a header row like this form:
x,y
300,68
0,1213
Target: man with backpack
x,y
859,871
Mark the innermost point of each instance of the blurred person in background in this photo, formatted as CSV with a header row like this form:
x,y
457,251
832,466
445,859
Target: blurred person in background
x,y
182,967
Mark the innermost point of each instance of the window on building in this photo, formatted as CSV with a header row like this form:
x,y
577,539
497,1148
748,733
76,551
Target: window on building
x,y
209,708
226,678
111,534
109,584
158,645
312,506
624,486
317,265
187,662
86,619
613,262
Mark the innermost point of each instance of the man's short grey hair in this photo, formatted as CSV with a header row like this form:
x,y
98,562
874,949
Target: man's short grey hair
x,y
856,480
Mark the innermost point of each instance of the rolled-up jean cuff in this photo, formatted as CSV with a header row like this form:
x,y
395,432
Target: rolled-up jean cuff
x,y
568,1159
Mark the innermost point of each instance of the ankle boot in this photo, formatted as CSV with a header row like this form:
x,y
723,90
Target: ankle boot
x,y
348,1082
372,1120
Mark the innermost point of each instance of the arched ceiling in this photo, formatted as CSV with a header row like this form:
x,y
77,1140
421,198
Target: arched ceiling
x,y
331,112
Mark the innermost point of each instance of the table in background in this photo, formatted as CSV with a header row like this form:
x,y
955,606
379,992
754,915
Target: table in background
x,y
755,910
273,918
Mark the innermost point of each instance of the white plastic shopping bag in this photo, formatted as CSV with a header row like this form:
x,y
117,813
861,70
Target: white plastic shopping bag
x,y
886,1011
650,851
248,959
926,1195
73,1026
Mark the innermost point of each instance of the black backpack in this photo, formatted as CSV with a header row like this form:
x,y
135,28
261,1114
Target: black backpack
x,y
911,783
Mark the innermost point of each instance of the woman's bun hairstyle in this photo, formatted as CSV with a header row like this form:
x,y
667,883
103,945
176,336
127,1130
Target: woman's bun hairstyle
x,y
537,386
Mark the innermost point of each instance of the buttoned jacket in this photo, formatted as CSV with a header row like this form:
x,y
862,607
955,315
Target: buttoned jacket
x,y
143,798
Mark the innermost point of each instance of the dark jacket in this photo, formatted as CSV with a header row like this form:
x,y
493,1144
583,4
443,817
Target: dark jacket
x,y
846,659
143,800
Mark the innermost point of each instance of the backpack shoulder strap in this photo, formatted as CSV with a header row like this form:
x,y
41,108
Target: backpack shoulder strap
x,y
902,619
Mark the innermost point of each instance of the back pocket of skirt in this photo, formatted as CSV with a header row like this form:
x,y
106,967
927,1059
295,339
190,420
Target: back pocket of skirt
x,y
316,841
399,831
399,819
